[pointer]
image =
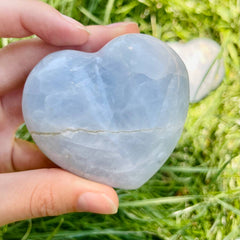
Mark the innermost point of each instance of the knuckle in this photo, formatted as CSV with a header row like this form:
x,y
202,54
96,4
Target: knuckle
x,y
43,201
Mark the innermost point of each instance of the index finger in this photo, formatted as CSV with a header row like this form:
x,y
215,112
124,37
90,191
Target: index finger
x,y
21,18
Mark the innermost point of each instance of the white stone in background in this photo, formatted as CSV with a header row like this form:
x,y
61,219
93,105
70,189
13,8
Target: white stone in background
x,y
113,116
205,71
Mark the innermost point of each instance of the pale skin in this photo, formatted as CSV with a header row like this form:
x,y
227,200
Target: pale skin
x,y
30,184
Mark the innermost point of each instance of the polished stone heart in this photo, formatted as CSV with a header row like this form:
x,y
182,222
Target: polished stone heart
x,y
204,65
113,116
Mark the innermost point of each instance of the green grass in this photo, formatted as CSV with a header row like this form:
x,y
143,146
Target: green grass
x,y
196,194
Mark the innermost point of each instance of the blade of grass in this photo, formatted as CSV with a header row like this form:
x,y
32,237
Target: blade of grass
x,y
228,206
188,169
56,229
108,12
158,201
77,234
126,8
26,235
90,16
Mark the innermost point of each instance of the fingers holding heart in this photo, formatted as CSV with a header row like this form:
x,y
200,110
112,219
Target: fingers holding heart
x,y
24,55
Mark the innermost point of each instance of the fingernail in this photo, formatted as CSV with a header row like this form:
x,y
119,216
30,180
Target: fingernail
x,y
123,28
75,23
96,203
122,24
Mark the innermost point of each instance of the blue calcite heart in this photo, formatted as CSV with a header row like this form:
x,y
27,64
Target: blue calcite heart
x,y
113,116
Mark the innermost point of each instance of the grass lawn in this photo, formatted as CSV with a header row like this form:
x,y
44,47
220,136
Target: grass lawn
x,y
196,194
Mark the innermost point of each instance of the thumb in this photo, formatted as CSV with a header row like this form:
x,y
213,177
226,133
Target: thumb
x,y
35,17
50,192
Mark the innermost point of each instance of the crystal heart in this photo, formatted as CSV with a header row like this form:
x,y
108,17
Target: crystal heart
x,y
113,116
204,65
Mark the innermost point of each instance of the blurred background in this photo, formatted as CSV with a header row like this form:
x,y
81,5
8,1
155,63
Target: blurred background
x,y
196,194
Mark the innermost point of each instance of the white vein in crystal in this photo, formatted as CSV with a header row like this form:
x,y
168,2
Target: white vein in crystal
x,y
94,131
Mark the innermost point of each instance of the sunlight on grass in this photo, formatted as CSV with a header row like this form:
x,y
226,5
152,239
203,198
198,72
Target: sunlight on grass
x,y
196,194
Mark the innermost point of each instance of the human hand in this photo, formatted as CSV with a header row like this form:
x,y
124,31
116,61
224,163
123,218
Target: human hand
x,y
30,184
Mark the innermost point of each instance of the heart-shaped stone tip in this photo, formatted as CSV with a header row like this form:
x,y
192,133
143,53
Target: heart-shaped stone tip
x,y
113,116
205,66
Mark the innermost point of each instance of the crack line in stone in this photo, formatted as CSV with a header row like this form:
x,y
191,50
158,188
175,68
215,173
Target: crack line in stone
x,y
91,131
